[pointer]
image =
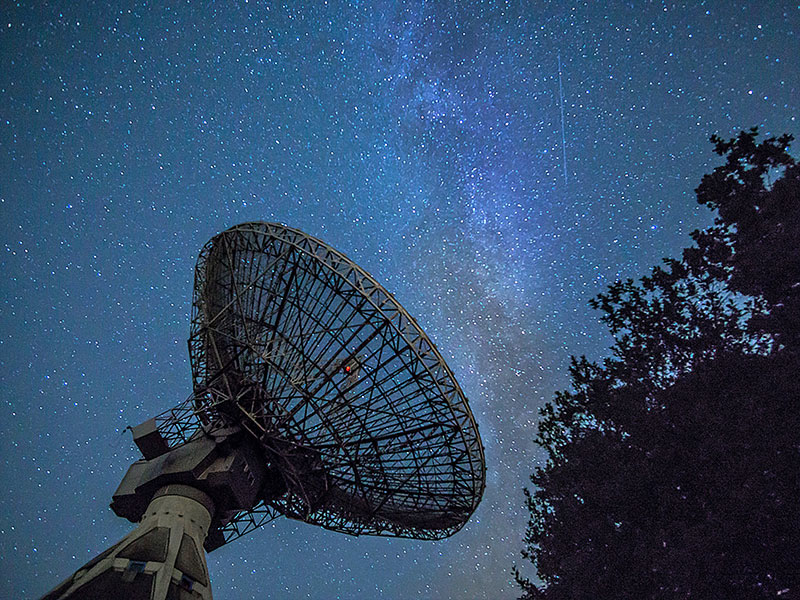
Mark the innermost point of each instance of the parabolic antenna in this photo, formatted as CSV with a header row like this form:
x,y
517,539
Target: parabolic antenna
x,y
316,396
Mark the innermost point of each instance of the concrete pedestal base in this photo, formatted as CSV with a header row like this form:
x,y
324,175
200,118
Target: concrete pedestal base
x,y
162,559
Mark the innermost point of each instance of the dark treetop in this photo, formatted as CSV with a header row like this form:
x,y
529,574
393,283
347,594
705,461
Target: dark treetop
x,y
674,466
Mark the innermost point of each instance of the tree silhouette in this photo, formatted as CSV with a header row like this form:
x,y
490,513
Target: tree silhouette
x,y
673,467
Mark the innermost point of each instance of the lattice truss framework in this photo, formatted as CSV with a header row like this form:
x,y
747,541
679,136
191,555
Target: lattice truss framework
x,y
349,398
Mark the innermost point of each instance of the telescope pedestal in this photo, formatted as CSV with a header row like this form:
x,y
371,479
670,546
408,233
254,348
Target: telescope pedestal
x,y
162,559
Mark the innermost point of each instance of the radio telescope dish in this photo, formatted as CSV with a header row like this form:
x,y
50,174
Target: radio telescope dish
x,y
315,396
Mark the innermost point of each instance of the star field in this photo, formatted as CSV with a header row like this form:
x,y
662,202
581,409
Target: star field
x,y
423,140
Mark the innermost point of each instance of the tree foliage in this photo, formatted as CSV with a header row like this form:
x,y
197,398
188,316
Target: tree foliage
x,y
673,466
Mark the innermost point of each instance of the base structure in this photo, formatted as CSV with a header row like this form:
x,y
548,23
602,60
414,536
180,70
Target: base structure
x,y
182,498
162,559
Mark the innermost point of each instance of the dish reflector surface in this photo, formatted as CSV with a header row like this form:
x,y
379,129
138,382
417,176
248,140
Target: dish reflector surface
x,y
350,400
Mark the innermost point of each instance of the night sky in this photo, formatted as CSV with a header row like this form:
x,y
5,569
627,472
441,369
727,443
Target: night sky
x,y
423,140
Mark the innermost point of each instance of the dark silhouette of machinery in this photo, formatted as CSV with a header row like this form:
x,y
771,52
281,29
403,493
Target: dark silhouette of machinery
x,y
316,396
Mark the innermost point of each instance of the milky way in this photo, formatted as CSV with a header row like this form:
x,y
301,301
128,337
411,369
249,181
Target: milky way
x,y
423,140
